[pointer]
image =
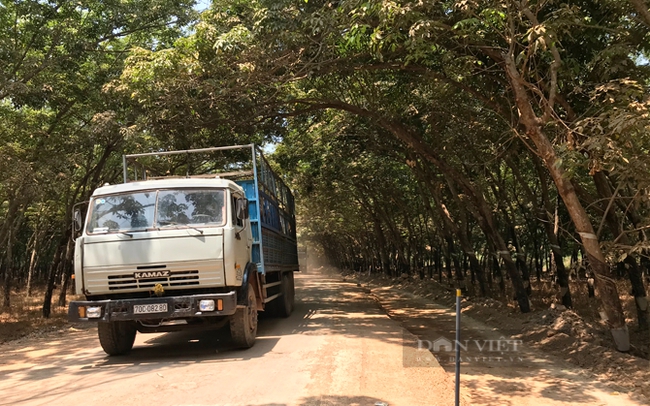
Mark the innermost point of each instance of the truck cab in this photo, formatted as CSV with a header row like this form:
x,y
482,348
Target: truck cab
x,y
177,252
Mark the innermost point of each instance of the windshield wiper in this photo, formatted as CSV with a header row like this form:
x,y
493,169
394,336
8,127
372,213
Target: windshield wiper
x,y
118,232
173,223
128,234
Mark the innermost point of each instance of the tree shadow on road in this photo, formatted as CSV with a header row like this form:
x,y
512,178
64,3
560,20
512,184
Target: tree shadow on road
x,y
335,307
66,356
334,401
516,375
341,401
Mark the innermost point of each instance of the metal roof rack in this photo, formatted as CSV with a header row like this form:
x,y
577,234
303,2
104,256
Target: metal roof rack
x,y
148,172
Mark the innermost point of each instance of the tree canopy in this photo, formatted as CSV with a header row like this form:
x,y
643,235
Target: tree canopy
x,y
466,139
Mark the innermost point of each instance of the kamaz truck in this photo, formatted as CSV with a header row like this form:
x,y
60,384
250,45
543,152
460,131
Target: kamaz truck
x,y
164,252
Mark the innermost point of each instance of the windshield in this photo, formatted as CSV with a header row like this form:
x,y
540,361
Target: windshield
x,y
122,212
163,208
190,207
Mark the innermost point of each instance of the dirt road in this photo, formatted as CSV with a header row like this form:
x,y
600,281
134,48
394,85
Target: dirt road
x,y
498,368
338,348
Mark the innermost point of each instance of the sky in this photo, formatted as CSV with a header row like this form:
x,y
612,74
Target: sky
x,y
202,5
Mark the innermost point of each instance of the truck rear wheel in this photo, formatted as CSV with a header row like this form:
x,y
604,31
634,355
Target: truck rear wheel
x,y
282,306
117,337
286,301
243,324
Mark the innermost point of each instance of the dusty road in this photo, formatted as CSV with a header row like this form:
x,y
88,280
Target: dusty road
x,y
338,348
494,372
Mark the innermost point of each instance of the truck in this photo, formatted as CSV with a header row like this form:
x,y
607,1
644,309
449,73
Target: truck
x,y
211,247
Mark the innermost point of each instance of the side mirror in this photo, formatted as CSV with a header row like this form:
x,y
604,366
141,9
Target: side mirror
x,y
242,209
77,221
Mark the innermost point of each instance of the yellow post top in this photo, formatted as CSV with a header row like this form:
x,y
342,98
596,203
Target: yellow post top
x,y
458,294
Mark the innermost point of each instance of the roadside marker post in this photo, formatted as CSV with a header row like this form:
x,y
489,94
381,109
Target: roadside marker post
x,y
458,297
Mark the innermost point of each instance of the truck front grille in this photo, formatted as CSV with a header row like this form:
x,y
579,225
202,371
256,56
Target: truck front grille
x,y
176,278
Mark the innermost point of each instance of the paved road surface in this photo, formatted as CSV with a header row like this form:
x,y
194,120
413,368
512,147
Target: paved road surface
x,y
338,348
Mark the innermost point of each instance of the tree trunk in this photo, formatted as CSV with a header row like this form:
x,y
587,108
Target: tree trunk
x,y
543,211
641,7
630,263
450,247
502,198
439,263
47,300
381,243
30,271
497,274
6,303
457,267
605,286
67,273
521,257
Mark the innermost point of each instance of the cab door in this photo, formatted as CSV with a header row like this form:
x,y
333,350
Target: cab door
x,y
243,238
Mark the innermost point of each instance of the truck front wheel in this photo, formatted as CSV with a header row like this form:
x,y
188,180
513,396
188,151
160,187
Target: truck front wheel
x,y
117,337
243,324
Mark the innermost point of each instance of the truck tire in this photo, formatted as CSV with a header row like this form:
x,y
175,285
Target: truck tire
x,y
286,301
117,337
283,305
243,324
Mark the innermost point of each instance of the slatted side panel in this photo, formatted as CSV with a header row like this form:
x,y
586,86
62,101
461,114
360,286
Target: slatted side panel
x,y
276,202
278,221
280,253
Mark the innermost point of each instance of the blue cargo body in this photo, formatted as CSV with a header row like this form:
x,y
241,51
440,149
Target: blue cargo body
x,y
272,216
273,223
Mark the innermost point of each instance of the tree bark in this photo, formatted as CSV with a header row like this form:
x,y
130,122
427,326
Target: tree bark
x,y
47,299
502,197
641,7
381,243
543,211
67,273
30,270
449,223
630,264
439,263
605,286
9,264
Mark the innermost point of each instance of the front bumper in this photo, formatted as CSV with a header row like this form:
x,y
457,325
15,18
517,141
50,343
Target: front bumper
x,y
177,307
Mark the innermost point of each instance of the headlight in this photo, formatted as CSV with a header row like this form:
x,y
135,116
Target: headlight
x,y
206,305
94,312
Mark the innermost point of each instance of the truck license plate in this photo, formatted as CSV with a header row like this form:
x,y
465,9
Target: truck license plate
x,y
150,308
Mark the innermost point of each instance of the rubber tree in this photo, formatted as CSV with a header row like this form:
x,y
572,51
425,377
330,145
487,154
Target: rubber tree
x,y
534,124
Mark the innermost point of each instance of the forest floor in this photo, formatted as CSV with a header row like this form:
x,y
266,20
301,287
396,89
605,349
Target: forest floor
x,y
25,315
576,346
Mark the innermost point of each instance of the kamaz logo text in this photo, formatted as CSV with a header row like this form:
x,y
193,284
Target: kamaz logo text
x,y
151,274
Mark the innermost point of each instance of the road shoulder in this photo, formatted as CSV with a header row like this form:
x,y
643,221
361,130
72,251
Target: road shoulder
x,y
492,373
